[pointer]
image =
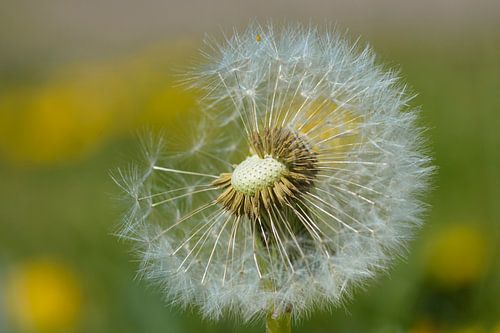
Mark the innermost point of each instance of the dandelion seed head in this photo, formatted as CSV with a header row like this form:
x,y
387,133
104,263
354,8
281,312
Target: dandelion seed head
x,y
303,181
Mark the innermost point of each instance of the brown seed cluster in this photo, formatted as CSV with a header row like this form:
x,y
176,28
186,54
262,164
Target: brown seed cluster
x,y
289,148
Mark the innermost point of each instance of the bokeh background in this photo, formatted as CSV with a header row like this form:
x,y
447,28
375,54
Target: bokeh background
x,y
79,78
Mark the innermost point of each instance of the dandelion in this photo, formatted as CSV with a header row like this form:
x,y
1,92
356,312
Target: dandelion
x,y
302,179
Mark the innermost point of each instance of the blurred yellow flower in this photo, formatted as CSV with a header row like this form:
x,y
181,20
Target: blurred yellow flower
x,y
80,107
43,296
53,123
457,256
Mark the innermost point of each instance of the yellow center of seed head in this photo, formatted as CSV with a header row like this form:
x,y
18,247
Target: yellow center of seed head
x,y
255,173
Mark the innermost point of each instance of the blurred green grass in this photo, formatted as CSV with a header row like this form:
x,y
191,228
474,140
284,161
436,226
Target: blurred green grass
x,y
64,209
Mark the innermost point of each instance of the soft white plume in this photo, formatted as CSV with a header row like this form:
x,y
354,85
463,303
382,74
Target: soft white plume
x,y
363,204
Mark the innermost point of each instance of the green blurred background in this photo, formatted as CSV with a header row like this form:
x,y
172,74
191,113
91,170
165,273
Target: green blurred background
x,y
79,78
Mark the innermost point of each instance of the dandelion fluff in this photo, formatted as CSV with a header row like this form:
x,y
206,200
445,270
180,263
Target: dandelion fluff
x,y
302,180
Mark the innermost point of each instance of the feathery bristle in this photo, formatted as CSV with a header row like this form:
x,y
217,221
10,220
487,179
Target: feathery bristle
x,y
303,182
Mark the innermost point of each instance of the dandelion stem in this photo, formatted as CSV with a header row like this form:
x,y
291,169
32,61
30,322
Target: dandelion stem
x,y
278,324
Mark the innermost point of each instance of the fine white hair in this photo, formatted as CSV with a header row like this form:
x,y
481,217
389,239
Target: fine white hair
x,y
363,206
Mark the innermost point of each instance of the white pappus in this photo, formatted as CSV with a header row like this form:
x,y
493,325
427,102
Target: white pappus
x,y
302,180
